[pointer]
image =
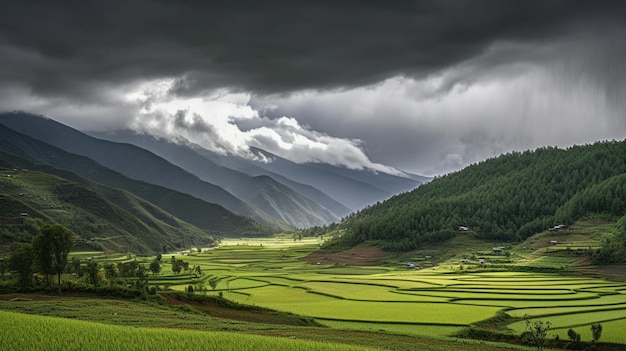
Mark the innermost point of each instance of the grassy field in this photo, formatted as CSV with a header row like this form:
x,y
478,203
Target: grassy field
x,y
397,306
26,332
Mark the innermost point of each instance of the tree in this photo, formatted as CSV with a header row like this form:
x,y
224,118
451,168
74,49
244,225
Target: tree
x,y
110,272
213,283
596,332
536,332
184,265
43,256
575,337
142,278
198,270
76,267
155,267
176,266
93,268
51,248
3,268
21,263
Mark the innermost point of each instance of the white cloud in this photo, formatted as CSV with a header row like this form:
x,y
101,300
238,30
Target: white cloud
x,y
226,123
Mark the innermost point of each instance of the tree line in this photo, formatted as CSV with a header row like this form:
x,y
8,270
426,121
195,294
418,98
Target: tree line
x,y
36,264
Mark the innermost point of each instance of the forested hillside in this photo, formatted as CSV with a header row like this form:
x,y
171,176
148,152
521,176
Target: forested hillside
x,y
102,218
506,198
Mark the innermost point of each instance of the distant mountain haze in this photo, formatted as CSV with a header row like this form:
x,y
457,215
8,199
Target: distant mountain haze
x,y
274,198
354,194
337,189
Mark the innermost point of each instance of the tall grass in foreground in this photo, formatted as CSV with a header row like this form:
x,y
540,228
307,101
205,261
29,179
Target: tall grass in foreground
x,y
28,332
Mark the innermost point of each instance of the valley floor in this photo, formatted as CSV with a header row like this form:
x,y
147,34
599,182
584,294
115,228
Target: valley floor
x,y
438,298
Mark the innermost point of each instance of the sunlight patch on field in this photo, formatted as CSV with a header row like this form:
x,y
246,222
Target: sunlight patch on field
x,y
271,242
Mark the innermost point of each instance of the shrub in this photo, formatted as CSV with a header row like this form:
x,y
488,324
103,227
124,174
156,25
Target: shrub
x,y
536,332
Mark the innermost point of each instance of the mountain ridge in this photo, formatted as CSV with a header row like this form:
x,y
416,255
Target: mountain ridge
x,y
133,162
265,193
211,218
339,190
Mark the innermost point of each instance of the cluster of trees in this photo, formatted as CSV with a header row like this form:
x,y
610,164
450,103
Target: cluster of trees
x,y
507,198
46,254
536,334
131,273
179,265
46,257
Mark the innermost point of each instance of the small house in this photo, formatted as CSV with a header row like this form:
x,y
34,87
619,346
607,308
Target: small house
x,y
553,242
497,250
463,228
482,260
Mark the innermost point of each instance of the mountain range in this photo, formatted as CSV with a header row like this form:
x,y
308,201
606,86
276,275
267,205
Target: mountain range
x,y
47,185
220,195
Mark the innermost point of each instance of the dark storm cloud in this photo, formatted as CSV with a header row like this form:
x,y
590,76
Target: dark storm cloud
x,y
80,48
425,86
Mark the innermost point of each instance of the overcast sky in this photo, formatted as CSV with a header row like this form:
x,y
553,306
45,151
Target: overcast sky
x,y
421,86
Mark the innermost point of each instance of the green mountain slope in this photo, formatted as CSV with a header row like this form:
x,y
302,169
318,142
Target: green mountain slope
x,y
506,198
103,218
213,219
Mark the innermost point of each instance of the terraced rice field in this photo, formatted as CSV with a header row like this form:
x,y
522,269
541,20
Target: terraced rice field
x,y
404,301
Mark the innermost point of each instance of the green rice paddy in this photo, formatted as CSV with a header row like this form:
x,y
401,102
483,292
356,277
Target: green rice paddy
x,y
398,300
